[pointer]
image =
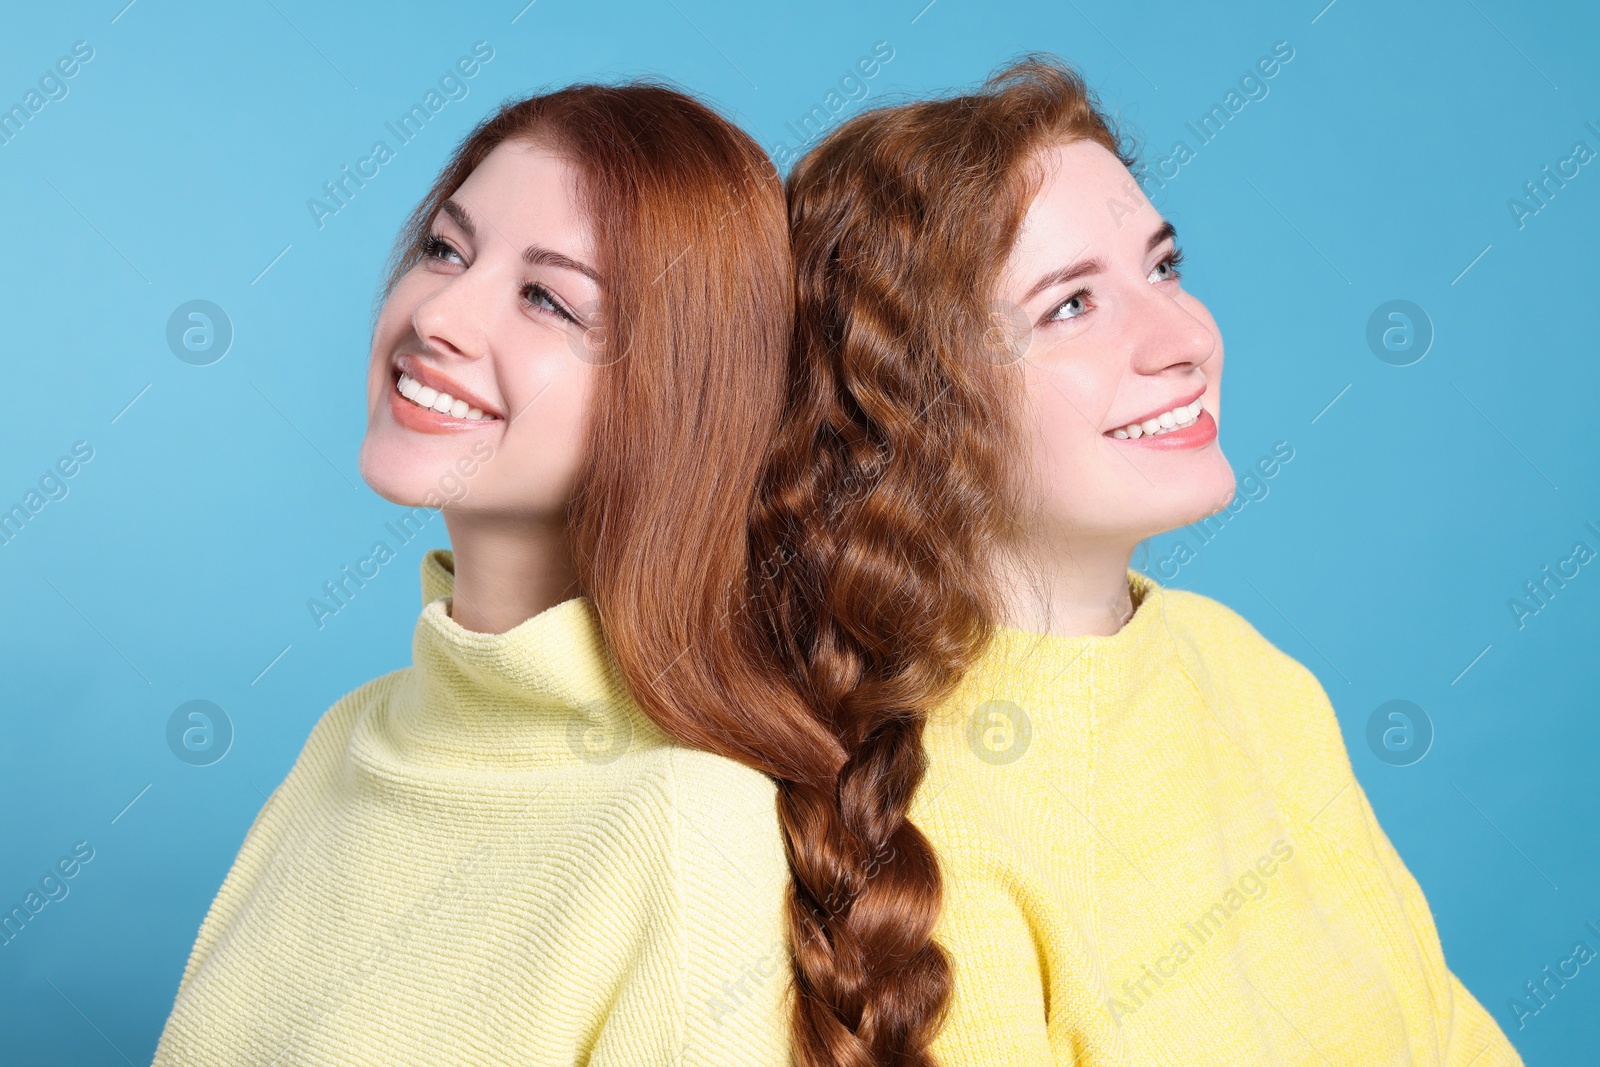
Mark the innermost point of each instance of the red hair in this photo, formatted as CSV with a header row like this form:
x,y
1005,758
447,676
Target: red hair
x,y
892,482
692,244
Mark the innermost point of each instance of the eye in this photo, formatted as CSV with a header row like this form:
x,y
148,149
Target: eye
x,y
1075,304
1171,263
436,247
1081,302
539,297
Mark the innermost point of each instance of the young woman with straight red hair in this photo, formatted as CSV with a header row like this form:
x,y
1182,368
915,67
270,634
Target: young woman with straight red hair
x,y
552,839
1086,819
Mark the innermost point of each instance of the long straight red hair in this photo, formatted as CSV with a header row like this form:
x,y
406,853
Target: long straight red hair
x,y
692,243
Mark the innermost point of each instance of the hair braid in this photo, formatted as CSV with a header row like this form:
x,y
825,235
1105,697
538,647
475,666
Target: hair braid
x,y
890,484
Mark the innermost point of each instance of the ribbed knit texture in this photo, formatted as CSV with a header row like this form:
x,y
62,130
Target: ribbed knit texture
x,y
493,857
1155,852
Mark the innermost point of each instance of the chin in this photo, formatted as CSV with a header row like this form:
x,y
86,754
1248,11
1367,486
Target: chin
x,y
393,477
1174,506
1205,497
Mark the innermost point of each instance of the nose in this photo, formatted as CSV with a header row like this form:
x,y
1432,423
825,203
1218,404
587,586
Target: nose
x,y
1169,333
452,320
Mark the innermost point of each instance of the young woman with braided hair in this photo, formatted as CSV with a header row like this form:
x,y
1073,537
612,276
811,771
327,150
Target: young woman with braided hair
x,y
1082,818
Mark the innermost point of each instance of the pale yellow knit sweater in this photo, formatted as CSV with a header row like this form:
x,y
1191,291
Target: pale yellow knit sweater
x,y
493,857
1155,852
1153,846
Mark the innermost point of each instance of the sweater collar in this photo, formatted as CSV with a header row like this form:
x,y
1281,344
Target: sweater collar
x,y
546,693
1104,666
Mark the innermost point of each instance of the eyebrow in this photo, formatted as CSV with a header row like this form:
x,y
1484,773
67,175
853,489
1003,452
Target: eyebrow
x,y
1093,265
533,255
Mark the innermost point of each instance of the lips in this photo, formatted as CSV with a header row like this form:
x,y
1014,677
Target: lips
x,y
415,368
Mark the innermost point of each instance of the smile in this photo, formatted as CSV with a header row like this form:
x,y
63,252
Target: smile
x,y
1178,418
424,396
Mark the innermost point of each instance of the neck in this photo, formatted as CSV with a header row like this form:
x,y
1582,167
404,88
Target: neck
x,y
1067,591
507,569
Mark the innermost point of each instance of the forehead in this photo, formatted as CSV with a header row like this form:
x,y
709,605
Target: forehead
x,y
527,193
1087,203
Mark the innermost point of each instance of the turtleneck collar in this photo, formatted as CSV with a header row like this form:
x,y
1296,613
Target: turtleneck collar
x,y
1104,665
547,693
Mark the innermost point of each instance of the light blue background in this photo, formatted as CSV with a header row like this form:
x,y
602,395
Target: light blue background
x,y
178,566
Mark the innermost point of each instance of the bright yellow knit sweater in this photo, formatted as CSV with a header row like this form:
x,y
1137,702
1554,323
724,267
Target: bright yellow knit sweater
x,y
492,857
1155,852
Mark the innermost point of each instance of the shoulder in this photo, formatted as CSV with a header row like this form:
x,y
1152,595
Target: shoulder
x,y
1226,648
726,814
705,775
328,741
1269,703
1210,622
333,728
677,808
279,823
733,878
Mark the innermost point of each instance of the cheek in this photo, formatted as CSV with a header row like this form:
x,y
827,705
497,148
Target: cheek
x,y
548,439
394,321
1071,398
1212,369
1214,387
1069,404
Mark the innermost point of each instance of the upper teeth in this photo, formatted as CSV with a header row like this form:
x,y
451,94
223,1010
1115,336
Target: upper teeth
x,y
1167,421
428,397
